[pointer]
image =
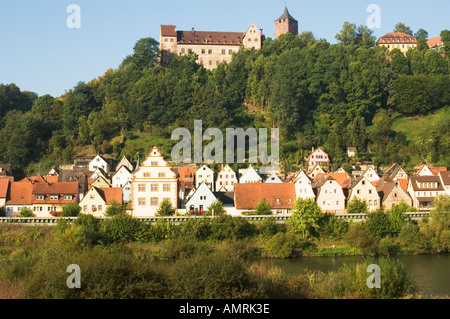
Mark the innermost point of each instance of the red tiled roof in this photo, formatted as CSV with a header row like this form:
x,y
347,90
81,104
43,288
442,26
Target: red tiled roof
x,y
20,193
435,42
343,179
247,196
4,186
111,194
403,183
397,37
168,30
210,38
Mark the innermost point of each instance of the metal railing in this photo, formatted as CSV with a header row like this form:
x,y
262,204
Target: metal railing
x,y
180,219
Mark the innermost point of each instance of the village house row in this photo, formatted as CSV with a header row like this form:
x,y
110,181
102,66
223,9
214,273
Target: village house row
x,y
95,183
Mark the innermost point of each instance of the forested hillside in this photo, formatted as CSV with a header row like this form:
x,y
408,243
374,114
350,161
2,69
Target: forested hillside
x,y
318,94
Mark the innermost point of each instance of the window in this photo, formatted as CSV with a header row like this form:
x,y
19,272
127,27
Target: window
x,y
375,202
141,188
68,197
154,201
217,62
210,62
154,163
93,208
337,202
154,187
84,207
40,197
370,191
183,51
223,51
230,52
277,200
370,202
210,51
203,51
100,207
54,197
357,191
141,201
161,175
166,187
92,196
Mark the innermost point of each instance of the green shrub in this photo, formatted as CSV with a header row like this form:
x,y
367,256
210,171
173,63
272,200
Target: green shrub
x,y
115,209
216,276
331,227
413,240
268,227
282,245
227,227
71,210
350,281
120,228
26,212
263,208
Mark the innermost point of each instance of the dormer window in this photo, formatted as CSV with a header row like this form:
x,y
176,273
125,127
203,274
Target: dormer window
x,y
40,197
54,197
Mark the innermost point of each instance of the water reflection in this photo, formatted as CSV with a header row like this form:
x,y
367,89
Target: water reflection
x,y
431,272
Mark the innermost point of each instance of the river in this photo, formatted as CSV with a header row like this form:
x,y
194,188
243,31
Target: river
x,y
431,272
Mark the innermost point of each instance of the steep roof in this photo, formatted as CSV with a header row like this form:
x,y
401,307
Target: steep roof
x,y
4,186
397,37
286,15
194,37
20,193
435,42
416,180
227,198
445,176
168,30
111,194
343,179
247,196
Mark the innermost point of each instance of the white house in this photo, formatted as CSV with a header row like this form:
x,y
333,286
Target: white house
x,y
318,157
445,180
273,178
201,199
250,175
121,176
204,174
124,162
363,189
127,192
313,171
226,179
303,185
153,182
371,174
330,195
99,162
423,190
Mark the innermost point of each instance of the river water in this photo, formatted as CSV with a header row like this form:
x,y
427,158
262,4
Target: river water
x,y
430,272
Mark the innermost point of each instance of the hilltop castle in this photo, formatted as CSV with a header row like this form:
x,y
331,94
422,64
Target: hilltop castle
x,y
212,48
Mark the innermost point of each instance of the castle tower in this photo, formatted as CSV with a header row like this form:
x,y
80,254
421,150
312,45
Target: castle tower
x,y
286,23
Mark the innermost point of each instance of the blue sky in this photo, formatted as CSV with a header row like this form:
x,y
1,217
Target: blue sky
x,y
39,53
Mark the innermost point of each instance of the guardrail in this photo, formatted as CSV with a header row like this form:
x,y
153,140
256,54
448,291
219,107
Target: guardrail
x,y
38,221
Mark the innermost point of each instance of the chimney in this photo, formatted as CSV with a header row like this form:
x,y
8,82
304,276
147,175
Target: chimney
x,y
193,30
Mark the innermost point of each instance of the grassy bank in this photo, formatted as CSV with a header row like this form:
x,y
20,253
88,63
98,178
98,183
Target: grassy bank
x,y
122,257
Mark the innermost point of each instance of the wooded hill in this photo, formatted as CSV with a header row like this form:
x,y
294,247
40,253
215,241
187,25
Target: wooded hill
x,y
318,94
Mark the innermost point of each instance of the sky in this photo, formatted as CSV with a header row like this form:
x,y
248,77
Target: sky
x,y
39,52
